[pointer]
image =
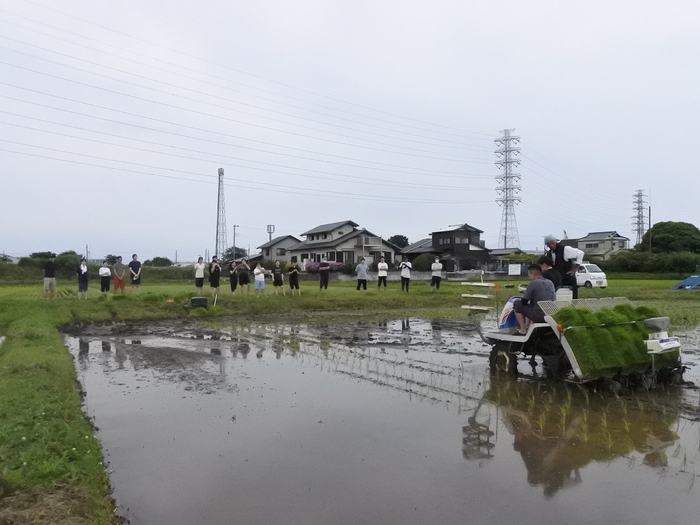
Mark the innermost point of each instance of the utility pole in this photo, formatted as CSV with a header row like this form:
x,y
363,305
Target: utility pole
x,y
508,158
638,219
234,240
221,218
270,230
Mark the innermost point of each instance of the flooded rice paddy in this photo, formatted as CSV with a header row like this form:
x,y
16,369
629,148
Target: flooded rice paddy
x,y
364,422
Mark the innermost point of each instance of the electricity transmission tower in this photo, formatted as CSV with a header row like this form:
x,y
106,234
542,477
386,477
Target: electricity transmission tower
x,y
507,189
639,217
221,218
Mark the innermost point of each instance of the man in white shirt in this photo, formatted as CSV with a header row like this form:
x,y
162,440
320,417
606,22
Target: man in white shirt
x,y
382,269
199,275
436,268
405,268
566,260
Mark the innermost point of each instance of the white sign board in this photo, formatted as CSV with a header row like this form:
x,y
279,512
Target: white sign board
x,y
513,269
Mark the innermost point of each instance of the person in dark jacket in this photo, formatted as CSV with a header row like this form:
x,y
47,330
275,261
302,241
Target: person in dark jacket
x,y
82,272
566,260
548,272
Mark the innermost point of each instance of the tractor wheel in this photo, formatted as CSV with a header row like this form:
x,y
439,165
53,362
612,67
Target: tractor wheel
x,y
588,284
501,360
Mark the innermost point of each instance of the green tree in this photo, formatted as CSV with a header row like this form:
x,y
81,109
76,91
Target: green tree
x,y
40,255
399,240
234,252
159,262
423,262
668,237
111,259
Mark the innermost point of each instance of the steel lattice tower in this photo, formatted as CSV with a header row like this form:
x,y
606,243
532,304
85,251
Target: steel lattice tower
x,y
221,218
507,190
639,217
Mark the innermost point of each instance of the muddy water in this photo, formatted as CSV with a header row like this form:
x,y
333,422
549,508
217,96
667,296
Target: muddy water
x,y
351,423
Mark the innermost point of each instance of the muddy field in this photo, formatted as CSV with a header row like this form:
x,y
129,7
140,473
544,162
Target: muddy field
x,y
359,422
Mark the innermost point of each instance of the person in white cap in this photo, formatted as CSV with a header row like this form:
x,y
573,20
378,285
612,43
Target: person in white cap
x,y
566,261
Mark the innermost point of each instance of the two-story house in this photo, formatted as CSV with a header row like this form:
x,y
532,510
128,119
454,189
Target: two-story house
x,y
278,249
341,242
599,244
459,248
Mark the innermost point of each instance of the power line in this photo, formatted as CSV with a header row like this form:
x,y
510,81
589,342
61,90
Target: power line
x,y
211,62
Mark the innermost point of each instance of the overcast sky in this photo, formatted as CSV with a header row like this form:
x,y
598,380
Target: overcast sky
x,y
114,118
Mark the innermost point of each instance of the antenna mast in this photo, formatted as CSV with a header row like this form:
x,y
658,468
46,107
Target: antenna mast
x,y
221,218
639,217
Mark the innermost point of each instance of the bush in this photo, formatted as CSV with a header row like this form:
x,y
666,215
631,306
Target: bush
x,y
312,267
423,262
681,263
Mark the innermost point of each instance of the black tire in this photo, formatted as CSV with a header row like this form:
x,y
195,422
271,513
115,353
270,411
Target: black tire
x,y
588,284
502,360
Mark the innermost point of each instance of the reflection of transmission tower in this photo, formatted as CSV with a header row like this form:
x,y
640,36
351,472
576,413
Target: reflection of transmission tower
x,y
221,218
639,217
507,190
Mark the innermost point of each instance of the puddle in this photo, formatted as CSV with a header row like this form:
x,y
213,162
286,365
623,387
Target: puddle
x,y
396,422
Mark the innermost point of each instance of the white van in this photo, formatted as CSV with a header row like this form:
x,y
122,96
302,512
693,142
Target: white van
x,y
591,276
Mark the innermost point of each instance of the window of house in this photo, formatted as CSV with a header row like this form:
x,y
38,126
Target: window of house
x,y
281,251
325,236
304,256
592,245
311,237
267,251
330,256
340,232
294,258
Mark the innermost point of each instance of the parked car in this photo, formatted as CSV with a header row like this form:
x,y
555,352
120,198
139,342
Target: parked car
x,y
591,276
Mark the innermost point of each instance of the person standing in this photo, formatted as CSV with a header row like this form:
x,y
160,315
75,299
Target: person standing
x,y
294,278
50,277
405,268
82,272
382,270
324,273
105,277
278,278
199,275
361,271
243,274
233,274
259,274
135,271
436,277
214,275
119,275
566,260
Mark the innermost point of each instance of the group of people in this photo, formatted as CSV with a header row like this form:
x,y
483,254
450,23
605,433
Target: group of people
x,y
239,276
132,271
553,270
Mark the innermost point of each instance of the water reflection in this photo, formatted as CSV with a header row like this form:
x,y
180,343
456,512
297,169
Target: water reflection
x,y
559,429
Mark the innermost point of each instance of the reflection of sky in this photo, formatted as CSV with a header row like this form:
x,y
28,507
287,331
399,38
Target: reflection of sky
x,y
370,387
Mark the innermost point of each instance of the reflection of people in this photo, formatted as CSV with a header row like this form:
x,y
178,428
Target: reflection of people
x,y
405,268
119,275
105,277
135,270
436,277
50,277
539,289
382,269
361,271
82,272
278,279
214,275
294,277
199,275
548,272
566,261
324,271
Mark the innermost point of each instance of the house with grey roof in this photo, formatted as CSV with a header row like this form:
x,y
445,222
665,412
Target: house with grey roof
x,y
342,242
600,244
458,247
277,249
